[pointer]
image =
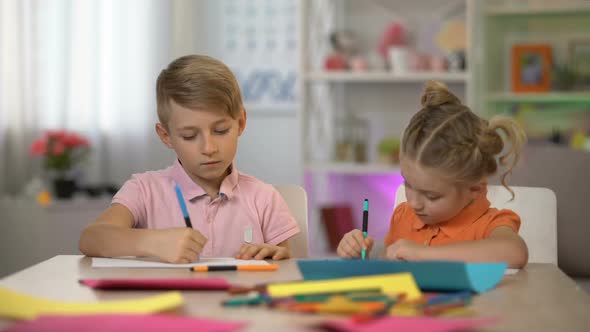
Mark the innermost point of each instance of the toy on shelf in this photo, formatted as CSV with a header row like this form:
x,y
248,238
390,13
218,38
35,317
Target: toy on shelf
x,y
388,150
351,144
393,47
456,61
345,53
563,77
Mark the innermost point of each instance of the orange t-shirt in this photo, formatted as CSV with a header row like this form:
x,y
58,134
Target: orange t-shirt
x,y
476,221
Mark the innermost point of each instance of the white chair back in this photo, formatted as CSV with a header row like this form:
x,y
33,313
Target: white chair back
x,y
537,208
296,199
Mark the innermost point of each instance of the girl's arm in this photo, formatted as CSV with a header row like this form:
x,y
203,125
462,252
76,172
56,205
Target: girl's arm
x,y
503,245
113,235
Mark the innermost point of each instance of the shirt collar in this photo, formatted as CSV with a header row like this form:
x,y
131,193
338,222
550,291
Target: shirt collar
x,y
464,218
191,190
229,184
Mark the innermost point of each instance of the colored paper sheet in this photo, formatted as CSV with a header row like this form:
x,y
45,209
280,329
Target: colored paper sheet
x,y
389,284
406,324
134,262
127,323
20,306
179,283
430,276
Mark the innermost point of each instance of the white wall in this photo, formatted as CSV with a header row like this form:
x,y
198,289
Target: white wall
x,y
270,147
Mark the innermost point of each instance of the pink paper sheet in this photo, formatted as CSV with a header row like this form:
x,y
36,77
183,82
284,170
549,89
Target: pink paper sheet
x,y
406,324
127,323
184,283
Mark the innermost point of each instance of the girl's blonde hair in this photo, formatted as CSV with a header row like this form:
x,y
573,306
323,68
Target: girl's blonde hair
x,y
447,135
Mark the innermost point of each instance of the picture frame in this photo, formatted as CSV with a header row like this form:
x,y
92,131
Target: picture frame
x,y
531,67
579,58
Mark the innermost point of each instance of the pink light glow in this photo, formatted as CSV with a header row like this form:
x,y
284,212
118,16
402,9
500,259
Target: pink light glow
x,y
379,189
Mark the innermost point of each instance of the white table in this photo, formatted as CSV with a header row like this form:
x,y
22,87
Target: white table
x,y
538,298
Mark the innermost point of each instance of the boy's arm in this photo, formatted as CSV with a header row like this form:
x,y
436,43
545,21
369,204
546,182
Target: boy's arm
x,y
503,245
284,244
264,250
112,235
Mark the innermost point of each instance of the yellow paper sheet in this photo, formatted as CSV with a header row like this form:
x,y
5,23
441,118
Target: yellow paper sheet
x,y
21,306
388,283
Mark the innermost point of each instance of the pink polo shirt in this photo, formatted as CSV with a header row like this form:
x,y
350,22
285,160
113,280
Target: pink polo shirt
x,y
244,206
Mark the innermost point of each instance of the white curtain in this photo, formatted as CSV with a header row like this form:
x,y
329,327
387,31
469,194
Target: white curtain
x,y
88,66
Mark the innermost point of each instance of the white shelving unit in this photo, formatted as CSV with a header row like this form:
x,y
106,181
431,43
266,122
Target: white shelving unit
x,y
502,24
352,168
384,100
544,97
386,77
552,8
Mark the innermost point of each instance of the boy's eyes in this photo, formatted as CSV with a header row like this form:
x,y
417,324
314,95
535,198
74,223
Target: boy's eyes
x,y
216,131
432,198
221,131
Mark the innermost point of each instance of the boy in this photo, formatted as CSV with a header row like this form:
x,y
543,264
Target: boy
x,y
201,116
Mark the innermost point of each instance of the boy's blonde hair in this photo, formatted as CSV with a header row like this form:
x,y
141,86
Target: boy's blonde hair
x,y
447,135
197,82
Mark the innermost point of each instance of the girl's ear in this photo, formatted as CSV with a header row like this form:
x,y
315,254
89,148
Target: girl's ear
x,y
478,188
163,134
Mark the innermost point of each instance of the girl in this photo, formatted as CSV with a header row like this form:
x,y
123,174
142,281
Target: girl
x,y
447,153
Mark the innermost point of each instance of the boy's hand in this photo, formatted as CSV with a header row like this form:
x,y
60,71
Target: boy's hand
x,y
177,245
352,243
405,250
262,251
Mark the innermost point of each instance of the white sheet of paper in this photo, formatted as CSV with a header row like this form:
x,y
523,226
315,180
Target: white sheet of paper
x,y
511,272
134,262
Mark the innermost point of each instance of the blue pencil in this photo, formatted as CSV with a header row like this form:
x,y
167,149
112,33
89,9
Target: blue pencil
x,y
365,224
187,219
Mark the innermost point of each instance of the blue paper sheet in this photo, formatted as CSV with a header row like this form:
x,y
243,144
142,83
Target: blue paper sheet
x,y
430,276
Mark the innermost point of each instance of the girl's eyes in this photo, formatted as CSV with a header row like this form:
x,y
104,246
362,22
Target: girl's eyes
x,y
188,138
432,198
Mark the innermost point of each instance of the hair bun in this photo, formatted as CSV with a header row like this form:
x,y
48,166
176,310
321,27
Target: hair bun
x,y
436,94
490,142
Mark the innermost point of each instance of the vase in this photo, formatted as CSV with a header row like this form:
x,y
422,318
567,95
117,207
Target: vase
x,y
64,188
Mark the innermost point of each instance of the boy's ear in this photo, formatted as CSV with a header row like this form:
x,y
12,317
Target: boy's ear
x,y
242,121
163,134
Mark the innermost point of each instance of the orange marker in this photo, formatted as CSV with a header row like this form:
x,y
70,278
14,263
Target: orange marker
x,y
271,267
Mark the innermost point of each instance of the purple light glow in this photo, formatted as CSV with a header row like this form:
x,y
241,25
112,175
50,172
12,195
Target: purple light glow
x,y
380,189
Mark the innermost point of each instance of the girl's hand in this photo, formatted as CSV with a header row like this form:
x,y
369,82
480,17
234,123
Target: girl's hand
x,y
352,244
405,250
262,251
176,245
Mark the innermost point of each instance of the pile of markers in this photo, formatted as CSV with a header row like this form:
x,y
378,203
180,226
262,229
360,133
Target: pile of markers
x,y
358,303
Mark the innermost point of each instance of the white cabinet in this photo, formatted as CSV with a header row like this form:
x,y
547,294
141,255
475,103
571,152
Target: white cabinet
x,y
30,233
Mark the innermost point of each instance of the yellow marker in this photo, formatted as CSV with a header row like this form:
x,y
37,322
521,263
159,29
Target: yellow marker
x,y
404,309
16,305
342,305
396,283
